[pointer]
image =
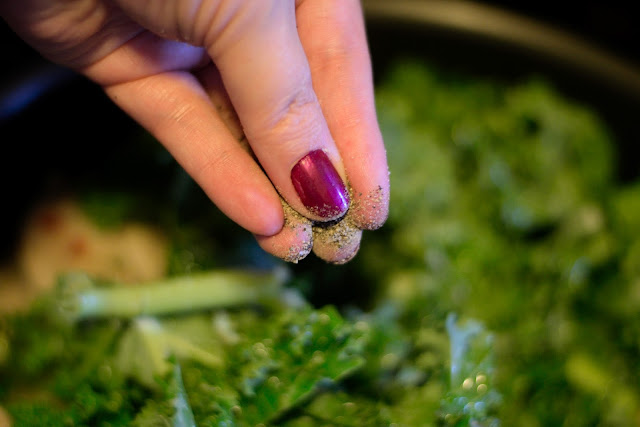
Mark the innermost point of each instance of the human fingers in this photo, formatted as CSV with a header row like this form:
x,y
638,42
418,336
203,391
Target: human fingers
x,y
148,78
281,116
295,240
149,55
337,242
174,107
255,46
333,35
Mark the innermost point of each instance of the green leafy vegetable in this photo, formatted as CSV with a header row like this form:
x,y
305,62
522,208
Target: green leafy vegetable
x,y
173,410
505,210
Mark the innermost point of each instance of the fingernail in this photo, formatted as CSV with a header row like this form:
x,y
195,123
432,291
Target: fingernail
x,y
319,186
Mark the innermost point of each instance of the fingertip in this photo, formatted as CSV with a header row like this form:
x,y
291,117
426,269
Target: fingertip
x,y
290,244
248,199
370,209
293,241
336,243
345,257
268,223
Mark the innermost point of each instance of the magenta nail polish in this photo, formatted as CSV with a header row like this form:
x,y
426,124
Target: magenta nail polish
x,y
319,186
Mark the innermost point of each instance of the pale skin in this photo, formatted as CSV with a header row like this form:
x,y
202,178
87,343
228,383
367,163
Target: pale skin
x,y
291,76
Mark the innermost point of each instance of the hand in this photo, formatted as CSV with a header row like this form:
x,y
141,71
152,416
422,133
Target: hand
x,y
293,77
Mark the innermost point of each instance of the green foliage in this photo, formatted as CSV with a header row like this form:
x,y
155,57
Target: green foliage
x,y
172,409
242,367
305,353
504,211
28,413
472,398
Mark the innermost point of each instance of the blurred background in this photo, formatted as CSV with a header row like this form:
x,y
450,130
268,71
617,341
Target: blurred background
x,y
608,24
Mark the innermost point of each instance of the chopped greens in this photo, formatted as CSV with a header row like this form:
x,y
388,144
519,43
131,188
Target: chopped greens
x,y
504,290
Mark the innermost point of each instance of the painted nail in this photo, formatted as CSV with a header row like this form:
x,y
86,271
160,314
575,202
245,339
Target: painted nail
x,y
319,186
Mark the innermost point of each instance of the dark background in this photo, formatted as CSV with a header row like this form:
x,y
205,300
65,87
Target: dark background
x,y
609,24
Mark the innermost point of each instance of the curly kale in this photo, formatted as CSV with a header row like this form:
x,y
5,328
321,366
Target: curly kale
x,y
504,211
242,359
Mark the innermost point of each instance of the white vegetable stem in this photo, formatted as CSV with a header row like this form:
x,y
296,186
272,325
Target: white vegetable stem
x,y
219,288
